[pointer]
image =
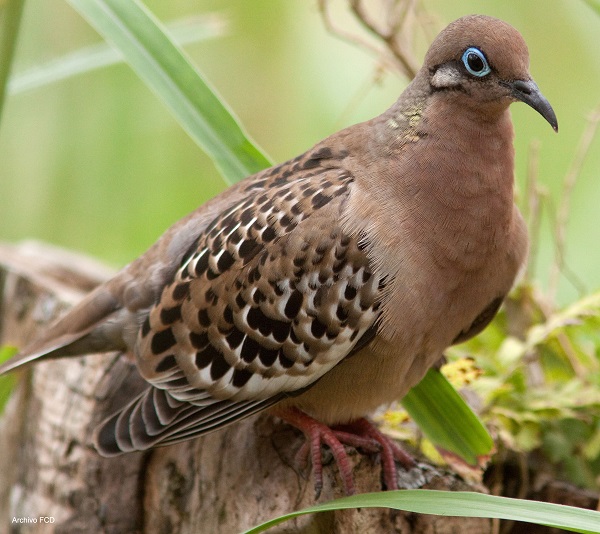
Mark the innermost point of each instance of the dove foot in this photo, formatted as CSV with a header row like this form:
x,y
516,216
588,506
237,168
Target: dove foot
x,y
361,434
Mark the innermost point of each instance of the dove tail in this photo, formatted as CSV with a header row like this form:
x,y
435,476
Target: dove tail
x,y
79,331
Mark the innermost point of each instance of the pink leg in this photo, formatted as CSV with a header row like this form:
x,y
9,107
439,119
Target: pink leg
x,y
390,450
317,433
359,434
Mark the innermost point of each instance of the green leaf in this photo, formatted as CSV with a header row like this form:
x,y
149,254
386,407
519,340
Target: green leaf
x,y
459,504
446,419
89,58
594,4
7,382
147,48
10,18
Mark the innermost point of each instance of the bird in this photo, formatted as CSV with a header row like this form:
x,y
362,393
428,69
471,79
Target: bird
x,y
325,287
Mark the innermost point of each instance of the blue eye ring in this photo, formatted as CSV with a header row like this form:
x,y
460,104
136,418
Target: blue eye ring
x,y
475,62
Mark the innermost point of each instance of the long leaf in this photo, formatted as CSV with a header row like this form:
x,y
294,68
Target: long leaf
x,y
143,41
459,504
7,383
594,4
446,419
10,18
89,58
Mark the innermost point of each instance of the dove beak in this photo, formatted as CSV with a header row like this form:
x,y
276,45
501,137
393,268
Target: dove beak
x,y
527,91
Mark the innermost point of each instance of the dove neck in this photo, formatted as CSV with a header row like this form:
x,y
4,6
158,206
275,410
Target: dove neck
x,y
445,179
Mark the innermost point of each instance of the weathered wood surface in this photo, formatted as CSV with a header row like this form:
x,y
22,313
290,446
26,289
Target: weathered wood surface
x,y
224,483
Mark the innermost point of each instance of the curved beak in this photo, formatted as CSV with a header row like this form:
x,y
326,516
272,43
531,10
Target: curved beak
x,y
529,92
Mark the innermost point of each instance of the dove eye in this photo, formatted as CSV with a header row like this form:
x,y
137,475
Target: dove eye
x,y
475,62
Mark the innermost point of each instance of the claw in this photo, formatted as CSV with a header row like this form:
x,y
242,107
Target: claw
x,y
360,434
316,434
390,450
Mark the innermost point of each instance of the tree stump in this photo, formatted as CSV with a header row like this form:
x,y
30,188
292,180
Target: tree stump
x,y
228,481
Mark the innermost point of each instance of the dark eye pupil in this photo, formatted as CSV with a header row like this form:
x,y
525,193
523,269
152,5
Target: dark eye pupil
x,y
475,62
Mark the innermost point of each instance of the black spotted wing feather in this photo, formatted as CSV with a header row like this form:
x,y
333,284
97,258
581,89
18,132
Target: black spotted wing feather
x,y
271,296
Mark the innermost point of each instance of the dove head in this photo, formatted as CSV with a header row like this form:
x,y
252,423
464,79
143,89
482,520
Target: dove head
x,y
487,60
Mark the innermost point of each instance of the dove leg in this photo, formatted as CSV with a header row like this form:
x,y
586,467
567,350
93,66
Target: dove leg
x,y
391,452
360,434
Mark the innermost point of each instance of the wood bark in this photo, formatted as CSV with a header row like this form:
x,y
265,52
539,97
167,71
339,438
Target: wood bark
x,y
225,482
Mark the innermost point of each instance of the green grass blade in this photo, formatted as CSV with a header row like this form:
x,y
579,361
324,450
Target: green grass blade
x,y
7,382
90,58
459,504
594,4
446,419
10,18
147,48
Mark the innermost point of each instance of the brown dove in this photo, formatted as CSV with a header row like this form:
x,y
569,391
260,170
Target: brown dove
x,y
328,285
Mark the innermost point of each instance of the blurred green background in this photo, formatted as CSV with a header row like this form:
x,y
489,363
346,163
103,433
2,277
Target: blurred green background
x,y
95,163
